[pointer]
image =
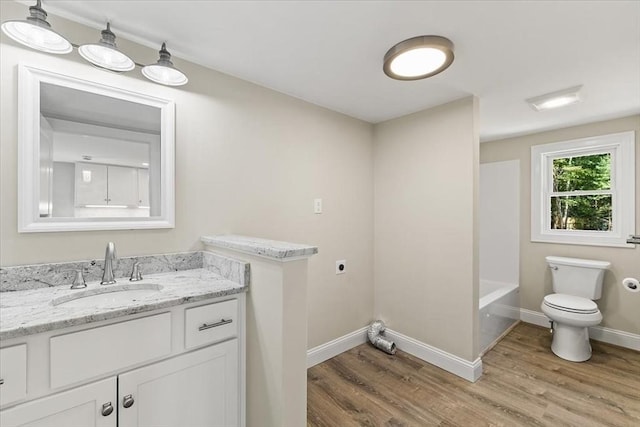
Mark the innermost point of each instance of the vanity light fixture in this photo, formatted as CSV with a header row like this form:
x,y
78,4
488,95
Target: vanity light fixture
x,y
163,71
36,33
418,58
105,53
556,99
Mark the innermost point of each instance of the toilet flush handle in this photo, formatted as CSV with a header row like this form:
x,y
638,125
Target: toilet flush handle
x,y
554,267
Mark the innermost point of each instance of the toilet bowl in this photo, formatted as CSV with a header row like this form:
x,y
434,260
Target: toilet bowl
x,y
577,282
571,316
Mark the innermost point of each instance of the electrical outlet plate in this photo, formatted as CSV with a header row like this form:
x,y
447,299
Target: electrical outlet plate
x,y
341,266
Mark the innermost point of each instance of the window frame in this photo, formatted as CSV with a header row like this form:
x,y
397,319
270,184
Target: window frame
x,y
621,146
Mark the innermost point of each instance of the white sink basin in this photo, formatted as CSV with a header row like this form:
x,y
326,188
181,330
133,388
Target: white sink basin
x,y
108,295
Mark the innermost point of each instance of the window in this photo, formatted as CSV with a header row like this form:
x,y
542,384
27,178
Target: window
x,y
583,191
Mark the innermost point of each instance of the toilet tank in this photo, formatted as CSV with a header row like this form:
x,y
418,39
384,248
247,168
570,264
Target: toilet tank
x,y
579,277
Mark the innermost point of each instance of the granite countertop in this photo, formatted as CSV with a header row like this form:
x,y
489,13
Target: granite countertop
x,y
31,311
263,247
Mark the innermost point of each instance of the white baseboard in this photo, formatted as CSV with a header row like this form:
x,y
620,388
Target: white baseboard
x,y
534,317
598,333
470,371
333,348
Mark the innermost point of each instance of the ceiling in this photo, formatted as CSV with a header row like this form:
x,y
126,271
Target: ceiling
x,y
330,52
78,106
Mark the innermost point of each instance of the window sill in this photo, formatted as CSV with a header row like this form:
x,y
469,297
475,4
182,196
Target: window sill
x,y
588,241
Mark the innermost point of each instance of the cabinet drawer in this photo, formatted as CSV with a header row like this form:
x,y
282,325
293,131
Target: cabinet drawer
x,y
83,355
210,323
13,374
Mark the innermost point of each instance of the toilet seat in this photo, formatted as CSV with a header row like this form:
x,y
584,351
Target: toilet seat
x,y
570,303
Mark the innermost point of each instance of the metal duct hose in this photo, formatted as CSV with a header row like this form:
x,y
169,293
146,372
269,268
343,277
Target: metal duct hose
x,y
380,341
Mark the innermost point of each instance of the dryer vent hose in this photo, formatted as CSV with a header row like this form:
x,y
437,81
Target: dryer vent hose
x,y
375,331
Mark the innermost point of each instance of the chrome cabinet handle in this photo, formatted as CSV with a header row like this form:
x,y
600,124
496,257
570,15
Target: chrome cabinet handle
x,y
214,325
1,381
128,401
107,409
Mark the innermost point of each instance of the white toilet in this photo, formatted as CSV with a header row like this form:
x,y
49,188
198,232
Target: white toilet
x,y
577,282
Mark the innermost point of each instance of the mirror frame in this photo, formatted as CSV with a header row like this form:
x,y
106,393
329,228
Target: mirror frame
x,y
29,221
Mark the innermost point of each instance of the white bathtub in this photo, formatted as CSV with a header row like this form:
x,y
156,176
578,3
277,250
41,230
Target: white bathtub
x,y
499,309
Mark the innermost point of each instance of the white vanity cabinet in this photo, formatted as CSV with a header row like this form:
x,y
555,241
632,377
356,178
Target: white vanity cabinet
x,y
183,366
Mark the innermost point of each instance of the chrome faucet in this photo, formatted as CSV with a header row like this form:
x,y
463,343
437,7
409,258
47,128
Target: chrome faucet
x,y
109,257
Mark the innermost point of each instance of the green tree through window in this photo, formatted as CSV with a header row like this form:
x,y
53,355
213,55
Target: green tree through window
x,y
581,197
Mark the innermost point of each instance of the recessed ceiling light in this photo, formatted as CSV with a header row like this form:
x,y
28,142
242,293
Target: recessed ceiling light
x,y
418,58
556,99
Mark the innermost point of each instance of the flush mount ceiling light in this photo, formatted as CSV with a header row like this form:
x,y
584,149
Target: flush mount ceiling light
x,y
556,99
418,58
105,53
163,71
36,33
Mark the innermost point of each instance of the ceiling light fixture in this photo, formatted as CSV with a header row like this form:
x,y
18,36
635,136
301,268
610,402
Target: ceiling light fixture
x,y
418,58
36,33
556,99
105,53
163,71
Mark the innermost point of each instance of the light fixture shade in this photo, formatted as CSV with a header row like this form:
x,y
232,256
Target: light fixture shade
x,y
105,53
418,58
560,98
163,71
36,33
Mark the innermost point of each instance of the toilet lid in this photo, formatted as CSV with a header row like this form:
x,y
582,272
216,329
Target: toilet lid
x,y
571,303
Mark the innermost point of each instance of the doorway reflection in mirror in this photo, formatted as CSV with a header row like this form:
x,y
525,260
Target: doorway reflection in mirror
x,y
99,156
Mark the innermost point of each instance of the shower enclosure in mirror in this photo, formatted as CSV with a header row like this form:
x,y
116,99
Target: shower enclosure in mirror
x,y
91,156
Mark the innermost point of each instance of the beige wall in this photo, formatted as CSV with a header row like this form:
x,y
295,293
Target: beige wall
x,y
248,161
426,273
620,309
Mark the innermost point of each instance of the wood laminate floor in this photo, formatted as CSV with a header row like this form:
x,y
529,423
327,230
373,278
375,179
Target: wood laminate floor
x,y
523,384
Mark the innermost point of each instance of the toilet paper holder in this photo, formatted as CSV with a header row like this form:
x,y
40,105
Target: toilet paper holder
x,y
631,284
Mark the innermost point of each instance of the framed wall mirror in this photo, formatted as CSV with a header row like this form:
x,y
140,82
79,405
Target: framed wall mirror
x,y
92,156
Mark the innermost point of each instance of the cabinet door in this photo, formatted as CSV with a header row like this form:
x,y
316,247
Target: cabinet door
x,y
143,187
91,184
13,373
78,407
123,186
195,389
